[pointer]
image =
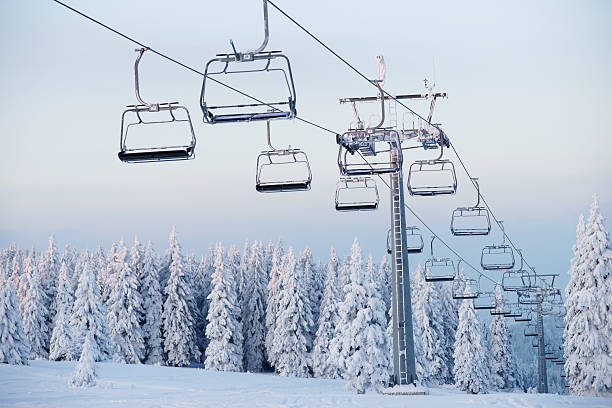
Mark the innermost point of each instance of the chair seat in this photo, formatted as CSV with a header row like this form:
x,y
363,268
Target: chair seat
x,y
285,186
132,156
356,207
248,117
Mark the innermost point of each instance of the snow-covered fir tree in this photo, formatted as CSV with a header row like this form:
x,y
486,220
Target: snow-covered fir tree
x,y
274,283
254,315
34,314
150,292
124,311
85,371
98,263
323,364
14,344
450,319
293,322
49,270
501,358
224,330
105,281
430,330
363,352
588,322
386,275
89,315
304,270
61,347
470,372
178,323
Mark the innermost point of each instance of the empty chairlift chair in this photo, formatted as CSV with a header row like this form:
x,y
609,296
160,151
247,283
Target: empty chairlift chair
x,y
464,288
513,281
432,177
146,121
513,311
250,66
439,269
414,241
484,301
282,170
526,316
531,330
497,257
356,194
468,221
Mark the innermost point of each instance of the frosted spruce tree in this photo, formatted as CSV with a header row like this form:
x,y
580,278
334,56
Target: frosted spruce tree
x,y
85,371
89,315
224,330
61,347
470,371
363,355
323,364
49,270
588,322
386,275
254,315
430,330
98,263
501,358
14,344
34,314
178,323
124,311
151,295
450,319
273,299
293,322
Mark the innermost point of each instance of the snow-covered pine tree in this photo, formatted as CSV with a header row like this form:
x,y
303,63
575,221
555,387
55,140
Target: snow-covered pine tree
x,y
293,322
588,331
85,371
14,344
61,338
240,270
386,275
430,330
178,323
501,358
449,308
98,263
304,269
49,270
200,289
89,315
124,311
470,372
253,320
272,302
34,313
150,292
323,364
136,258
224,330
268,258
105,280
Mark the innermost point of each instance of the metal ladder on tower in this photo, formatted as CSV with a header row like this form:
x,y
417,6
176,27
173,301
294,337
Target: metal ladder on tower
x,y
403,342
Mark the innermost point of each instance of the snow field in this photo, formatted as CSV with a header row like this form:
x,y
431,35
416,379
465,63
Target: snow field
x,y
45,384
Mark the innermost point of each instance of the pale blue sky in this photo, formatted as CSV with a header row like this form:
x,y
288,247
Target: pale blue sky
x,y
528,84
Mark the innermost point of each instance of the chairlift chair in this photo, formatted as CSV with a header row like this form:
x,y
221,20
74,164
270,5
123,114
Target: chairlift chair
x,y
257,62
414,240
485,301
439,269
520,279
500,309
531,296
525,316
497,257
530,330
469,221
282,170
165,113
514,311
462,287
356,194
432,177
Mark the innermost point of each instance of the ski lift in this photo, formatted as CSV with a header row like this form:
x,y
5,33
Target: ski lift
x,y
257,62
497,257
525,316
547,279
500,309
514,311
432,177
485,301
414,241
468,221
364,142
464,288
356,194
513,281
531,330
282,170
531,296
165,115
439,269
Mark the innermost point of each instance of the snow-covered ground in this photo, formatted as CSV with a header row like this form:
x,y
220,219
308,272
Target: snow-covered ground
x,y
44,384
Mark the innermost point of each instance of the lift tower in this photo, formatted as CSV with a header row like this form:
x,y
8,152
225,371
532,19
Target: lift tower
x,y
363,141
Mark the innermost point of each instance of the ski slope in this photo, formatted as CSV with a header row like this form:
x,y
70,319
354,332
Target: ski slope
x,y
44,384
